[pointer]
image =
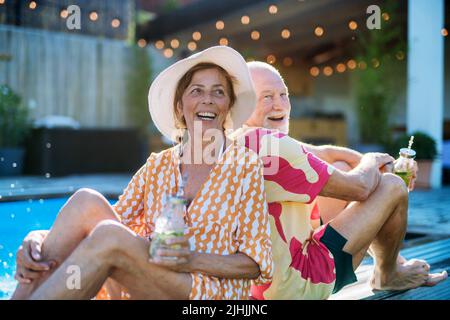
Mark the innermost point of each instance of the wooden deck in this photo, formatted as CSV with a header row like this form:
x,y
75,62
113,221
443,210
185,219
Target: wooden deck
x,y
436,253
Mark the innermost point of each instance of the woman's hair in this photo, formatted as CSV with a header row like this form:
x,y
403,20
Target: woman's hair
x,y
184,82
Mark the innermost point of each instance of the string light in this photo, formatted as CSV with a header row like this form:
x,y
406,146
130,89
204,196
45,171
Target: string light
x,y
64,13
255,35
351,64
273,9
142,43
223,41
400,55
115,23
362,65
159,44
328,71
196,36
32,5
245,19
444,32
271,59
93,16
192,46
353,25
314,71
168,53
220,25
318,31
386,16
2,2
174,43
285,34
375,63
341,68
287,61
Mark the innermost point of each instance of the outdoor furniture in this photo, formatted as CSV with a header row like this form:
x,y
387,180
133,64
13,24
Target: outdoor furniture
x,y
63,151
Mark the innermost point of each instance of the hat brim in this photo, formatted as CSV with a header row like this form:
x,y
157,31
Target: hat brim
x,y
162,91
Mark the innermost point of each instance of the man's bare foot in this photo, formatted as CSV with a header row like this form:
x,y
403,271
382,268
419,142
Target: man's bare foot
x,y
435,278
409,274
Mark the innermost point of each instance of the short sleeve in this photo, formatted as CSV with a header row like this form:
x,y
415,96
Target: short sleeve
x,y
291,173
253,232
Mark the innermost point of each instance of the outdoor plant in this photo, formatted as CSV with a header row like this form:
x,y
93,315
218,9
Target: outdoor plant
x,y
424,145
14,119
381,76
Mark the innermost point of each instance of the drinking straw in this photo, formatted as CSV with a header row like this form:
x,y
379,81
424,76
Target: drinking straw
x,y
411,140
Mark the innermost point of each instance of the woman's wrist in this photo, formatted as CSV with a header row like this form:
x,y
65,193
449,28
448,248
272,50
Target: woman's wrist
x,y
194,262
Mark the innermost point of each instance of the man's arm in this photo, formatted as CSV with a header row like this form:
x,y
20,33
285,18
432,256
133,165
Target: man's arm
x,y
331,154
359,183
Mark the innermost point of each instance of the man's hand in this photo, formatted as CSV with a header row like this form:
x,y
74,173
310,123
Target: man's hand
x,y
378,159
28,258
178,260
412,182
414,171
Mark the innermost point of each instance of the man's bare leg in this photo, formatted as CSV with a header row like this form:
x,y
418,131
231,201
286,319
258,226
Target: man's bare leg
x,y
382,220
329,208
76,219
113,250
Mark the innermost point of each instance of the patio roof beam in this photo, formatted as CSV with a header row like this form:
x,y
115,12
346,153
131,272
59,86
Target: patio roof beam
x,y
185,17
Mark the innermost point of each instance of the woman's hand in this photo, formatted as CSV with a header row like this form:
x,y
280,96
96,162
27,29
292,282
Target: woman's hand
x,y
177,259
412,182
28,258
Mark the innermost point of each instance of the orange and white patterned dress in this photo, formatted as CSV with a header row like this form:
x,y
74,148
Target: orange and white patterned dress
x,y
228,215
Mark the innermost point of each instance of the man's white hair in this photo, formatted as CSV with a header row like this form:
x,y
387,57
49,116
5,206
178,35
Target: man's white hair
x,y
260,65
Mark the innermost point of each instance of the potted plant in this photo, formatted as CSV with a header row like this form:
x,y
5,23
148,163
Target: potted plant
x,y
14,127
426,152
380,78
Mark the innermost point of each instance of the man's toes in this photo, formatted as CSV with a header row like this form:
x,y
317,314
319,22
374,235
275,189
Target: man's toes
x,y
435,278
418,263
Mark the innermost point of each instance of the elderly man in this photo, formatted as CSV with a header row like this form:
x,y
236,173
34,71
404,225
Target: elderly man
x,y
313,262
370,213
369,209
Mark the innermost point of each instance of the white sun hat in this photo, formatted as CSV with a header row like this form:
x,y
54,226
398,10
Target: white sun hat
x,y
162,91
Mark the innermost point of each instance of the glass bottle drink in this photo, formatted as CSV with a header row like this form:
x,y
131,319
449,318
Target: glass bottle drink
x,y
404,164
169,225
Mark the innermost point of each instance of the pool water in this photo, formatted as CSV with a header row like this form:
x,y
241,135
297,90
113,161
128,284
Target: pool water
x,y
17,218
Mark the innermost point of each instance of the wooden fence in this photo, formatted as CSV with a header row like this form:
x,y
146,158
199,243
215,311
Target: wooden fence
x,y
78,76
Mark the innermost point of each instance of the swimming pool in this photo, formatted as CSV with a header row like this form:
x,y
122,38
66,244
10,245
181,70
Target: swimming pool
x,y
17,218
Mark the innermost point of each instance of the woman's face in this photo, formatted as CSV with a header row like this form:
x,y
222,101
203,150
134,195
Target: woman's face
x,y
205,101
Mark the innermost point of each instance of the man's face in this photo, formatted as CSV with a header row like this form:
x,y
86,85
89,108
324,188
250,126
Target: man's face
x,y
273,105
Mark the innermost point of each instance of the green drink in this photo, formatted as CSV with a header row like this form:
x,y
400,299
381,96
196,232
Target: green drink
x,y
169,225
405,163
406,176
159,242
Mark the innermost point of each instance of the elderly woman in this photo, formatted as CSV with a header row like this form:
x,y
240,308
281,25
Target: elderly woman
x,y
227,224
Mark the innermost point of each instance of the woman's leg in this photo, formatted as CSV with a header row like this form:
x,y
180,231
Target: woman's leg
x,y
76,219
113,250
